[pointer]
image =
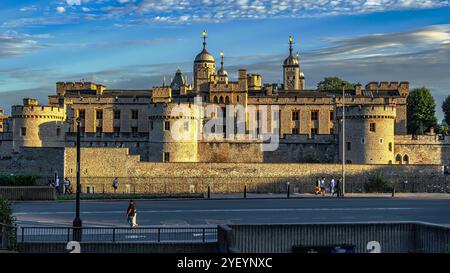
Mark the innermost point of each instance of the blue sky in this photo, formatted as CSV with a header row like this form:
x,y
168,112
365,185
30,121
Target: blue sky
x,y
134,44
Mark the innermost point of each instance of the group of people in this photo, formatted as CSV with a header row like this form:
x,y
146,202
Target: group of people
x,y
334,187
66,186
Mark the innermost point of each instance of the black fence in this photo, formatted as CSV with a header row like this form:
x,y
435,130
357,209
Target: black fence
x,y
113,234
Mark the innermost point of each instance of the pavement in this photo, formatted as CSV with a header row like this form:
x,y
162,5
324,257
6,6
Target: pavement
x,y
233,209
443,196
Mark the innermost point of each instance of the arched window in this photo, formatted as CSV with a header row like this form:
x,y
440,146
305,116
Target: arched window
x,y
215,99
227,100
406,159
398,159
221,99
237,98
348,161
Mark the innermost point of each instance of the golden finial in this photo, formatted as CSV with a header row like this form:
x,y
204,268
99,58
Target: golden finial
x,y
221,53
204,33
290,38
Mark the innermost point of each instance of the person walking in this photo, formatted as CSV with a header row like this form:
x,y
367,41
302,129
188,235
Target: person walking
x,y
66,186
331,186
115,184
337,188
57,186
322,186
131,214
317,187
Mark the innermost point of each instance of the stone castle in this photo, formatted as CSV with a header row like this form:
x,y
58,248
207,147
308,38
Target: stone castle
x,y
309,123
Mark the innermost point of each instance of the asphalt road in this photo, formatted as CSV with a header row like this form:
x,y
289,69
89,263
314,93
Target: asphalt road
x,y
235,211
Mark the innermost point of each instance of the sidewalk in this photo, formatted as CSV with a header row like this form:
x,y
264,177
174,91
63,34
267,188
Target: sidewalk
x,y
328,196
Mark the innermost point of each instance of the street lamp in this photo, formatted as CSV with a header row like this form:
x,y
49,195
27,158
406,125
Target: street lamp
x,y
77,222
343,140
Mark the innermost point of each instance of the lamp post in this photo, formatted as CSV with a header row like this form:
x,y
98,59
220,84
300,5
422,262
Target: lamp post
x,y
343,140
77,222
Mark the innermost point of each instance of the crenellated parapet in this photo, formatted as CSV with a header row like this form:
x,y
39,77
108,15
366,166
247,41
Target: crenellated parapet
x,y
88,88
402,87
35,125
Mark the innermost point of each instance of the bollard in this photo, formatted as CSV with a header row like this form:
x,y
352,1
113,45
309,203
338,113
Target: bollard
x,y
393,191
288,189
245,191
209,192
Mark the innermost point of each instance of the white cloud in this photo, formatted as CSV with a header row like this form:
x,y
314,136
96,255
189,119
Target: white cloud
x,y
60,9
13,43
73,2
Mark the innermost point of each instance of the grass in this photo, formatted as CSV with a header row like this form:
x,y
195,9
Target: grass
x,y
120,196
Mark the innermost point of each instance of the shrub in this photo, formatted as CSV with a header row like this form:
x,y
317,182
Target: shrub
x,y
6,213
18,180
7,229
377,183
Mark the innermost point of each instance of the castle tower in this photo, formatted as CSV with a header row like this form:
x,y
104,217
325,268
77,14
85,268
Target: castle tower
x,y
34,125
222,73
293,79
173,132
204,67
369,134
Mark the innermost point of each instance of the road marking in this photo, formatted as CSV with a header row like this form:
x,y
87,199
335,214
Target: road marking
x,y
218,210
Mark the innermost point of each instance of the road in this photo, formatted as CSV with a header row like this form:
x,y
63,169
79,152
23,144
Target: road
x,y
235,211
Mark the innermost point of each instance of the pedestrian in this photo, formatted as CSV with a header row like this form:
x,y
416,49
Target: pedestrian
x,y
317,187
66,186
58,190
337,188
322,186
331,186
131,214
115,184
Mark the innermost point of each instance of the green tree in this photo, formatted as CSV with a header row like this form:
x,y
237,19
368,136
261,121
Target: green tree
x,y
421,111
446,109
334,83
6,213
444,129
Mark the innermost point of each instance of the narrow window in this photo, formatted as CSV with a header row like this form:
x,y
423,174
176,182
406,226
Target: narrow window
x,y
167,125
99,114
166,157
349,146
134,114
116,114
372,127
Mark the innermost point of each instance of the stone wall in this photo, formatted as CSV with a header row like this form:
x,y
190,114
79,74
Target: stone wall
x,y
99,166
43,162
424,149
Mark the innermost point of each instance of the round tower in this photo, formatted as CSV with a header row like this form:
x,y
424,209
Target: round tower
x,y
34,125
173,132
204,67
369,134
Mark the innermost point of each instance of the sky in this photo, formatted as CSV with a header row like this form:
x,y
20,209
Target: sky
x,y
136,43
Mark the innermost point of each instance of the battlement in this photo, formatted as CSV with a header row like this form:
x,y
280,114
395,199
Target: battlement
x,y
161,94
402,87
63,87
422,139
254,82
370,111
32,109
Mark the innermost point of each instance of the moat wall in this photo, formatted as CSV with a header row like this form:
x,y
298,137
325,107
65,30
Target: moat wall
x,y
136,176
99,166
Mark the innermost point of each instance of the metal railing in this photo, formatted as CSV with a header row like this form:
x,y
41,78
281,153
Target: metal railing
x,y
119,234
